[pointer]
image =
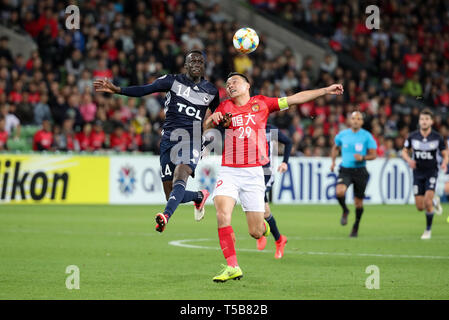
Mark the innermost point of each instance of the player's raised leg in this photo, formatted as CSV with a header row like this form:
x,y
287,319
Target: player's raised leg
x,y
198,197
224,206
178,194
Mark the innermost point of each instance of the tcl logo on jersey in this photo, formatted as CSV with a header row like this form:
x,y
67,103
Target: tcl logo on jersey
x,y
423,155
190,111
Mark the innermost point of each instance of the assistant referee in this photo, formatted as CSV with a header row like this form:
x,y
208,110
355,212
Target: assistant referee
x,y
357,145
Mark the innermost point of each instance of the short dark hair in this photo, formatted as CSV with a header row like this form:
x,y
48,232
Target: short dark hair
x,y
237,74
194,51
427,112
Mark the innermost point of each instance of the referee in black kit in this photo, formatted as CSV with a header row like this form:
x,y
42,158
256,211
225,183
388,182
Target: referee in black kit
x,y
357,145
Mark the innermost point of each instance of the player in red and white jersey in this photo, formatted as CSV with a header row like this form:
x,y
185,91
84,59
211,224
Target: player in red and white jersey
x,y
241,176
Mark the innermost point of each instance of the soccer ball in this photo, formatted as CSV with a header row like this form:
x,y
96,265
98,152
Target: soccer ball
x,y
245,40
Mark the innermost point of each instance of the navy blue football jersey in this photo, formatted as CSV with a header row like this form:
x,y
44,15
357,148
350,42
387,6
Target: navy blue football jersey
x,y
281,138
425,150
185,101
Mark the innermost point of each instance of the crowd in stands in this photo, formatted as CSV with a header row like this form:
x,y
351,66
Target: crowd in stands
x,y
408,56
134,42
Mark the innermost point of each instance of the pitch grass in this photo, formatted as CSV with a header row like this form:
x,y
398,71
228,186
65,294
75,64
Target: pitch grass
x,y
120,256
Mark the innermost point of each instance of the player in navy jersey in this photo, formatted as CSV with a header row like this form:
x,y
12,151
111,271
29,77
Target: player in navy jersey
x,y
188,97
280,240
425,144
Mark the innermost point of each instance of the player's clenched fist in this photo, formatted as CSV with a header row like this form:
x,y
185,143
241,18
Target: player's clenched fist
x,y
226,121
219,119
216,118
335,89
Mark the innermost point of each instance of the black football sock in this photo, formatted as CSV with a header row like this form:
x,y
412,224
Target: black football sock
x,y
195,196
273,227
358,216
429,219
342,202
175,198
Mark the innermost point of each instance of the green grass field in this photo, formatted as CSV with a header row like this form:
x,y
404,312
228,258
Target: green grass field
x,y
120,256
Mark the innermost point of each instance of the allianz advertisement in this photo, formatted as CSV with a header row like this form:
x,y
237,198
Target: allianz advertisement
x,y
135,179
309,180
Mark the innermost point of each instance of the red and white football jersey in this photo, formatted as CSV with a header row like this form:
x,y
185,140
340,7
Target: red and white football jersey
x,y
245,139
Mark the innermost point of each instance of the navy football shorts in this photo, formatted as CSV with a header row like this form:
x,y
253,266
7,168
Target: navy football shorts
x,y
174,153
423,181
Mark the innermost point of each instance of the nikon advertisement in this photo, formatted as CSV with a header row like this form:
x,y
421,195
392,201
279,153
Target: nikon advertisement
x,y
32,179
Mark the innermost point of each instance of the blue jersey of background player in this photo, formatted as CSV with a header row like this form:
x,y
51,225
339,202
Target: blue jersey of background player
x,y
425,145
188,97
272,133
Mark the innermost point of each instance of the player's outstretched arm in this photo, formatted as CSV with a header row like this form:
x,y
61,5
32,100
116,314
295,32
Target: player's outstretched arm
x,y
162,84
309,95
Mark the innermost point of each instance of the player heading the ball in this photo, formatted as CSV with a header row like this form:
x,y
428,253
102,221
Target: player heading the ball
x,y
245,152
188,96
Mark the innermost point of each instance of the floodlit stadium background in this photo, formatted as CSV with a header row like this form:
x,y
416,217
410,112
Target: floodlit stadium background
x,y
48,64
49,58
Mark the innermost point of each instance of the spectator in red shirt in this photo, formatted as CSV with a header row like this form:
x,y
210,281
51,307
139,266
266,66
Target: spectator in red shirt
x,y
33,95
102,71
109,46
119,139
97,136
30,24
83,137
16,94
412,61
3,134
135,140
43,139
47,19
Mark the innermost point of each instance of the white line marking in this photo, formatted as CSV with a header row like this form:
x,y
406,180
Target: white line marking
x,y
184,244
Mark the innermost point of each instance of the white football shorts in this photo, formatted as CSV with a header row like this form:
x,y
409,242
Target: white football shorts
x,y
244,184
